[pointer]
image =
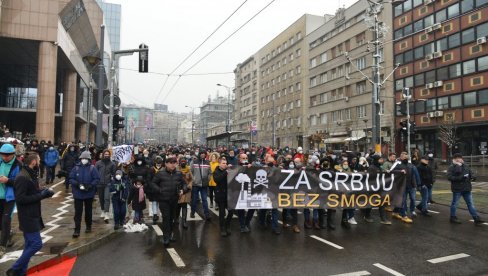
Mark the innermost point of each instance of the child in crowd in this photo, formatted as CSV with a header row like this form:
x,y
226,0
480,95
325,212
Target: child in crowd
x,y
120,192
137,199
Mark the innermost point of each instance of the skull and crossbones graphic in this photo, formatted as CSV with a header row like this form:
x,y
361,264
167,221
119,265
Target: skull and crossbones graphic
x,y
261,179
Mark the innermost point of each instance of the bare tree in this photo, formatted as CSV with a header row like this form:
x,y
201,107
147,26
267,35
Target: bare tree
x,y
448,134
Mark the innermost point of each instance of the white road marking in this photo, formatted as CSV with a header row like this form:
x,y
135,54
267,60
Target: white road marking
x,y
448,258
176,258
214,211
280,222
357,273
57,184
387,269
433,212
158,230
485,223
57,217
327,242
57,194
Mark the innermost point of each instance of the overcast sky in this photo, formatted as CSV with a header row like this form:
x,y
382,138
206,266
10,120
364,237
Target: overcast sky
x,y
174,28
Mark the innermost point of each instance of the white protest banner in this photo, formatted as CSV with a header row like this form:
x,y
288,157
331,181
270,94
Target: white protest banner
x,y
123,153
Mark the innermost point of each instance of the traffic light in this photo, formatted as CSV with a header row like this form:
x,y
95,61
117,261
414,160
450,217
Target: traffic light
x,y
118,122
413,127
143,58
403,130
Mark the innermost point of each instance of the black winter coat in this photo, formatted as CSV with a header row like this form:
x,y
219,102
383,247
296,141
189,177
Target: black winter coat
x,y
28,199
136,171
456,174
426,174
134,199
106,169
220,177
166,185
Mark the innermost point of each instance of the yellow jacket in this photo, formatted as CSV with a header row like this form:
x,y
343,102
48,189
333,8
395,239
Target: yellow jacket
x,y
213,166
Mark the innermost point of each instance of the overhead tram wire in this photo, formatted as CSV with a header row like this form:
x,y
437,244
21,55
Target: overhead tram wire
x,y
187,75
211,51
198,47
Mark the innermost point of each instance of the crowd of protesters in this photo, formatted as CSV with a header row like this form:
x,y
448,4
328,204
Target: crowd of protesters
x,y
169,180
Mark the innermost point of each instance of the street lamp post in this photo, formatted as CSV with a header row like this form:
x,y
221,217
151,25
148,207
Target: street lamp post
x,y
227,125
192,122
99,130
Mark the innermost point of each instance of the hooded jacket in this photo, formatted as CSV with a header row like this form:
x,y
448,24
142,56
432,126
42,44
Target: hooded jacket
x,y
51,157
136,170
86,175
166,185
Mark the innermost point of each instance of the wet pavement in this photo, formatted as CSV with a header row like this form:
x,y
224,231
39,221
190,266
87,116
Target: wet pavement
x,y
57,213
429,246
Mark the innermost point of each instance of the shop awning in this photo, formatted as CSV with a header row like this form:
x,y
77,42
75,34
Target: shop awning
x,y
355,136
334,140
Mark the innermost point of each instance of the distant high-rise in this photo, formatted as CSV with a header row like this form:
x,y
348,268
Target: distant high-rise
x,y
112,16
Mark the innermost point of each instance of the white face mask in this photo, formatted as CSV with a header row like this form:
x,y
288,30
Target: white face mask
x,y
291,166
84,161
333,156
430,155
139,163
317,162
146,155
187,156
51,148
118,177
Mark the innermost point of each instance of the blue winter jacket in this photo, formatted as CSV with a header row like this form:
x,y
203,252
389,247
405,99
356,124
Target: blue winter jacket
x,y
86,175
51,158
9,186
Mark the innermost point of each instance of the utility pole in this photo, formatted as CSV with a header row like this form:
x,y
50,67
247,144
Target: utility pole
x,y
99,130
274,128
407,97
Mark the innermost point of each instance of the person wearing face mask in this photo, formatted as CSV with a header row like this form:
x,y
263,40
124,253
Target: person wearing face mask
x,y
28,196
119,188
461,176
9,169
69,161
214,162
231,159
51,158
106,169
185,198
139,169
245,218
83,179
435,167
154,205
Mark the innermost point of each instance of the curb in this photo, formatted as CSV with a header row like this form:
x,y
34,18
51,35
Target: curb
x,y
80,250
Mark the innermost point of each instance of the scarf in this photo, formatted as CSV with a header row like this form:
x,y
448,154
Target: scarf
x,y
185,170
141,194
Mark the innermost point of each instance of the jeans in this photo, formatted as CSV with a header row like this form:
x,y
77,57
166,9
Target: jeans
x,y
194,198
154,210
245,219
410,192
315,214
6,210
79,211
274,218
50,173
468,198
32,244
120,211
104,197
137,216
424,192
168,209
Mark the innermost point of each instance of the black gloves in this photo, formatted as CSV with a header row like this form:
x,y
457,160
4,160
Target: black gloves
x,y
47,193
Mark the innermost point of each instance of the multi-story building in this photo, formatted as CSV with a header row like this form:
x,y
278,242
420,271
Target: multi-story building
x,y
283,69
214,112
44,79
341,80
441,46
246,99
112,17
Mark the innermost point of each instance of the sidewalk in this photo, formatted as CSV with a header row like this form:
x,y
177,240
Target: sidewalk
x,y
57,214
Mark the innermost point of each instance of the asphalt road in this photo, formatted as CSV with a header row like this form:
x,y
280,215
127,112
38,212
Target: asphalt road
x,y
366,249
